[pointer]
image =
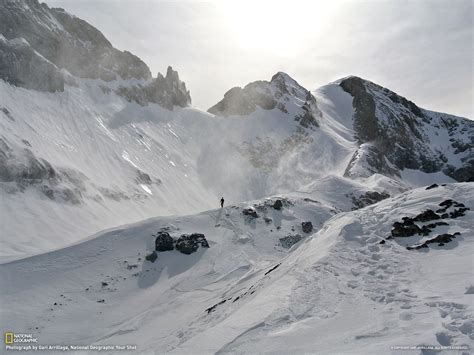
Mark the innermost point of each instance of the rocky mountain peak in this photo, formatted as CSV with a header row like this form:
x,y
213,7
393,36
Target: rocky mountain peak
x,y
282,92
167,91
395,134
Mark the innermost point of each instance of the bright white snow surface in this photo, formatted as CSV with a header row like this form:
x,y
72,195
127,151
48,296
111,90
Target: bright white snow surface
x,y
193,158
337,291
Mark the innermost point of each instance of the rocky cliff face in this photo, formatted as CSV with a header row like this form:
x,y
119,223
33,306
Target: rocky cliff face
x,y
57,40
167,91
396,134
281,92
21,65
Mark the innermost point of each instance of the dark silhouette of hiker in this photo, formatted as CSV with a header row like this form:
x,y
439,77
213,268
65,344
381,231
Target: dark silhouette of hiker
x,y
222,202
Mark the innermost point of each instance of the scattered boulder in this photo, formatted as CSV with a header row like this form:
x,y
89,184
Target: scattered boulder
x,y
459,212
164,241
440,239
307,227
189,243
152,257
250,211
426,216
290,240
405,229
446,203
278,205
432,187
267,220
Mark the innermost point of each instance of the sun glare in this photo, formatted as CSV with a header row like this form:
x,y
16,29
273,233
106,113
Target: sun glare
x,y
276,26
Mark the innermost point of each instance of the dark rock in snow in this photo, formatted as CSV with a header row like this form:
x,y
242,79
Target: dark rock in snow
x,y
152,257
278,205
446,203
250,211
440,239
459,212
188,244
369,198
405,229
426,216
307,227
432,187
290,240
164,241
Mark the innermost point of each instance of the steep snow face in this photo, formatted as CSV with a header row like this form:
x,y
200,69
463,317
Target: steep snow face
x,y
76,162
396,134
247,293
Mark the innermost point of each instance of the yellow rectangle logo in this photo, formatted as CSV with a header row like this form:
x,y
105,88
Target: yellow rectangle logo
x,y
9,338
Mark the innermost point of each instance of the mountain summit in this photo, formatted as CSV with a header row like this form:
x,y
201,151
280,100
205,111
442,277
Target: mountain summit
x,y
395,134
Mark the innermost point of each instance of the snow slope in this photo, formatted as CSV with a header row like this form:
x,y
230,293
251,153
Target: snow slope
x,y
94,160
337,291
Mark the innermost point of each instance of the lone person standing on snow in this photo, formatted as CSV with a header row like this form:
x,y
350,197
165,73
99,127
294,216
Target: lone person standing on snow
x,y
222,202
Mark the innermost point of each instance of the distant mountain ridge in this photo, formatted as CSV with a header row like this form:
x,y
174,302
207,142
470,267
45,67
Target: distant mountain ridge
x,y
392,132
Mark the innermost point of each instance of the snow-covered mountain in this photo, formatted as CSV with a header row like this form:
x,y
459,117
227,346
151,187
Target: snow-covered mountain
x,y
342,248
263,285
105,144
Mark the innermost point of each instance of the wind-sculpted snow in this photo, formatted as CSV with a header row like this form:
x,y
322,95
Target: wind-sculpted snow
x,y
246,293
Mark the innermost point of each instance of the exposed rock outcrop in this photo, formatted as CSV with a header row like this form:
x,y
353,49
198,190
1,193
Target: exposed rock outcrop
x,y
278,93
189,243
290,240
163,241
64,41
166,91
395,134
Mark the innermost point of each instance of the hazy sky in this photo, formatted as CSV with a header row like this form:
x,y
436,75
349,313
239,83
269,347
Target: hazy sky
x,y
422,50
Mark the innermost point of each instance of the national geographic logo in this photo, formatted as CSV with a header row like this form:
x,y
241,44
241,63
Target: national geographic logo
x,y
8,338
13,338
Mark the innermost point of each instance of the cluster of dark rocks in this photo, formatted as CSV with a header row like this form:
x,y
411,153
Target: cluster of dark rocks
x,y
369,198
459,211
440,239
186,244
250,212
290,240
408,227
